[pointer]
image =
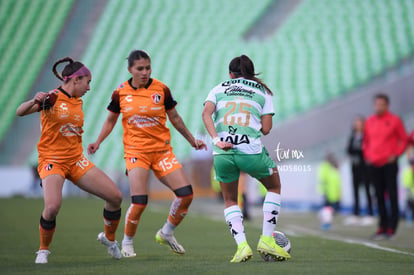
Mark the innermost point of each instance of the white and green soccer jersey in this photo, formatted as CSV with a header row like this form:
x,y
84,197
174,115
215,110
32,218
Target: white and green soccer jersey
x,y
240,104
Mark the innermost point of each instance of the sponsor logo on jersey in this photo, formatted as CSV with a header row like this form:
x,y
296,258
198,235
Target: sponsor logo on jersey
x,y
156,108
235,139
143,121
236,90
76,117
48,167
246,82
143,109
69,130
232,130
128,98
63,110
156,98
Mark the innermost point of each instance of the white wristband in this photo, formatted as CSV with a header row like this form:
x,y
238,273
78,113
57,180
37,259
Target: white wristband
x,y
216,140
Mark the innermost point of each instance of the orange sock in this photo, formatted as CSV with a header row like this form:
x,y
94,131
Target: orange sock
x,y
179,209
111,221
46,230
132,218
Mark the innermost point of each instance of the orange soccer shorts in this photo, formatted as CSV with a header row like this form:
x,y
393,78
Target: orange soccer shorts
x,y
162,163
72,170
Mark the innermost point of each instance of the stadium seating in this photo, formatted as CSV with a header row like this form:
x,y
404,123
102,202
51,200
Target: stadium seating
x,y
324,49
24,47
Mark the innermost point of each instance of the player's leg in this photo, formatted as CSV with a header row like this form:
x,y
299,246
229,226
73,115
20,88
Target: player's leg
x,y
92,180
178,182
227,173
52,196
262,167
379,184
138,178
391,171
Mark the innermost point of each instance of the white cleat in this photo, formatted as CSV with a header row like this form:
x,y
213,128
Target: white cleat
x,y
128,249
42,256
113,248
170,241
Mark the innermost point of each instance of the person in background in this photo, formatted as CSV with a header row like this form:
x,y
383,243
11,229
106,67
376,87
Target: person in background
x,y
330,182
408,182
408,179
359,174
384,141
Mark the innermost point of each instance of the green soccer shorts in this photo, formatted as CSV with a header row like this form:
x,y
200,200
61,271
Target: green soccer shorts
x,y
228,166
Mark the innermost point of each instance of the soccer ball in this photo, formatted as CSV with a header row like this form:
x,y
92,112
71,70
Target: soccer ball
x,y
282,241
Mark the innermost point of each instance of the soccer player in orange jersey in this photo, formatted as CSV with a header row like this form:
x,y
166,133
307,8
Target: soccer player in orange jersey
x,y
60,156
145,103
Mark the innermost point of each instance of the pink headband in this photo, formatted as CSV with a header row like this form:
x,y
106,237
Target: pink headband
x,y
83,71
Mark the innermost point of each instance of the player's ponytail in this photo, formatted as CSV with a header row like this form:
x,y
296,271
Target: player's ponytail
x,y
242,66
74,68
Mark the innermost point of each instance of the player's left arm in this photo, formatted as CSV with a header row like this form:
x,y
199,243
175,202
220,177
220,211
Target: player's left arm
x,y
179,124
267,123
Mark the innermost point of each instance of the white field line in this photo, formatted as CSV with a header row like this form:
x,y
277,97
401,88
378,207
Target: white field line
x,y
316,233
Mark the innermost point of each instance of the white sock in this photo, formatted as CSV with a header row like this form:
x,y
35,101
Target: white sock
x,y
168,228
271,209
234,219
127,239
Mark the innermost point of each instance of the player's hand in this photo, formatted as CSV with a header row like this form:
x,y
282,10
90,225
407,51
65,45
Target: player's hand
x,y
224,145
199,144
392,159
40,97
92,148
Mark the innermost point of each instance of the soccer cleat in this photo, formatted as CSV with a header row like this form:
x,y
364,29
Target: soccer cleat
x,y
113,248
243,253
268,247
42,256
170,241
128,249
380,235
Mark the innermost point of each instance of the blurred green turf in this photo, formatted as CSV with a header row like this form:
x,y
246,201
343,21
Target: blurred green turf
x,y
208,243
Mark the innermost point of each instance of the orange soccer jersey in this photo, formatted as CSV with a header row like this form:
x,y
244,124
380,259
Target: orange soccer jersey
x,y
61,122
143,116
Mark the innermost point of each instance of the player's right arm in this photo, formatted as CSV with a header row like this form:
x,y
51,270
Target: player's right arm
x,y
31,106
208,111
105,131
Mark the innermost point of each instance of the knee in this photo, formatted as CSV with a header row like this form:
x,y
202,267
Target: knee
x,y
185,193
51,211
116,200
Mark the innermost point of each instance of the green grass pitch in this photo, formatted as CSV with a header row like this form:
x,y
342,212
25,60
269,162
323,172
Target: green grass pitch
x,y
207,241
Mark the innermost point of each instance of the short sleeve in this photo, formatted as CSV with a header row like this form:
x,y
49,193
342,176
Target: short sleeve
x,y
114,106
268,105
49,102
169,101
212,96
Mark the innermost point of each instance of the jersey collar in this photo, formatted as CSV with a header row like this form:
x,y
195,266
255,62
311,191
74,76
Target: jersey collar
x,y
64,92
135,88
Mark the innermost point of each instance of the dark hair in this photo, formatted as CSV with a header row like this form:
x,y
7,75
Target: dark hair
x,y
137,55
243,66
383,97
69,69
